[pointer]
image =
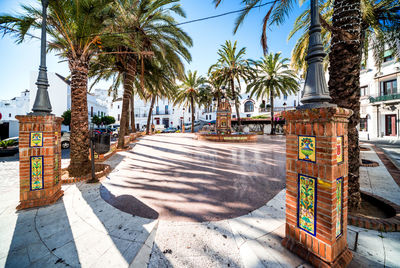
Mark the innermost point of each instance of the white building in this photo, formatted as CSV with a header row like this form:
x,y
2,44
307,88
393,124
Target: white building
x,y
60,96
380,99
250,107
164,113
8,110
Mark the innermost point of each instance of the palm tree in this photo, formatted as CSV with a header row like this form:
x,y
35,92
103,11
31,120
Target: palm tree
x,y
149,31
230,68
276,14
74,28
189,93
274,78
378,21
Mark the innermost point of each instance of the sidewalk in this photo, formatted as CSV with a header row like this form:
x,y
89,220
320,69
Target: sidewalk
x,y
80,230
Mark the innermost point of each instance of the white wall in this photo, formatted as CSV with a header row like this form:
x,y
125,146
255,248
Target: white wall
x,y
58,92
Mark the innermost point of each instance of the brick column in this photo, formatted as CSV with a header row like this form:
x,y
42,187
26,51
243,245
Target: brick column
x,y
317,185
39,160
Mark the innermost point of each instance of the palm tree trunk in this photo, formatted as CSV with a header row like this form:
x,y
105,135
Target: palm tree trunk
x,y
344,81
153,100
272,113
192,104
236,103
128,85
79,140
133,113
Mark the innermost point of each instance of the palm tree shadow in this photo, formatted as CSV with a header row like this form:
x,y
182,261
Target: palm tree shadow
x,y
128,204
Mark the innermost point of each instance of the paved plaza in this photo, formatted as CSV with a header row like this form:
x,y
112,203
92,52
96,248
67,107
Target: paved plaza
x,y
182,179
173,201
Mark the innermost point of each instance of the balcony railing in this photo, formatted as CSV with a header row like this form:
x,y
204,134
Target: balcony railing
x,y
384,98
276,109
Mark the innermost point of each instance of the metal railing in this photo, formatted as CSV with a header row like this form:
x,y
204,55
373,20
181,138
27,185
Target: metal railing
x,y
384,98
276,109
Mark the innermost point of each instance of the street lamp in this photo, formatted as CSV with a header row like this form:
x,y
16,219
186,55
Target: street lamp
x,y
315,94
42,104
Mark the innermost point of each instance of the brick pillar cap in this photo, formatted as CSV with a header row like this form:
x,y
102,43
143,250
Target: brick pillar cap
x,y
319,114
38,118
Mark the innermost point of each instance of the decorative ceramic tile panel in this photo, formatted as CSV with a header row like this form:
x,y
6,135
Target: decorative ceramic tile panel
x,y
36,139
339,151
307,148
56,137
56,172
339,202
306,210
36,173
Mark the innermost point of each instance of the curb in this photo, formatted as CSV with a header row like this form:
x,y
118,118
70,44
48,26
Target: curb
x,y
388,225
142,258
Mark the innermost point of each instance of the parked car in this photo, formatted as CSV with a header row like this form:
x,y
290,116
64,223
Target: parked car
x,y
170,130
65,137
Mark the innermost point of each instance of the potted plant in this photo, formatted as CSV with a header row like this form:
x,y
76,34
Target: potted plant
x,y
8,147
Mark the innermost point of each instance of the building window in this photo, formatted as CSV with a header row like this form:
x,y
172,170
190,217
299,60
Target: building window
x,y
9,115
189,109
234,116
364,91
157,110
249,107
387,56
389,87
119,117
363,124
118,106
91,111
166,109
294,103
284,97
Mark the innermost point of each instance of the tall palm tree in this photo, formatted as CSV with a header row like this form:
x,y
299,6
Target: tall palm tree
x,y
159,83
74,28
189,93
230,68
344,80
149,31
274,78
379,20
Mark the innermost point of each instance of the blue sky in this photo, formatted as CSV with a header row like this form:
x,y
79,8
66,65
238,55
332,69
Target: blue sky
x,y
17,61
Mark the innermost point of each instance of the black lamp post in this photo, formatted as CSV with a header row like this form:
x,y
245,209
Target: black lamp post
x,y
315,94
42,104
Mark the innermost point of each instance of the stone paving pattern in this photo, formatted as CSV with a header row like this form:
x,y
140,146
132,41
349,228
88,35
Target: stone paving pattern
x,y
82,226
183,179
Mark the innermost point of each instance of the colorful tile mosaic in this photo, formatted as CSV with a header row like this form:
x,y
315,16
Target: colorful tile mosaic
x,y
339,151
36,173
56,165
339,207
36,139
307,148
306,210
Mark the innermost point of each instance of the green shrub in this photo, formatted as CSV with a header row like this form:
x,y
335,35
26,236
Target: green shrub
x,y
4,144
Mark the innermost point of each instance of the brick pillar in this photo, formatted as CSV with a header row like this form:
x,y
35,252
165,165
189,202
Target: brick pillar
x,y
39,160
317,185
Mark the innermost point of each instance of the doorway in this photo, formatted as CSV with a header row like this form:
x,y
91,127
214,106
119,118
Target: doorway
x,y
390,125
